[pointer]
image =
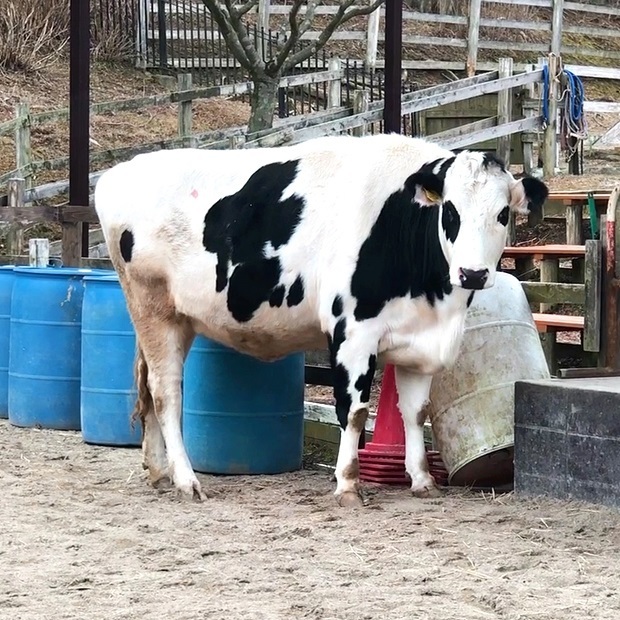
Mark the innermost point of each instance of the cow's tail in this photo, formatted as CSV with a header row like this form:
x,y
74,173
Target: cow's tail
x,y
144,400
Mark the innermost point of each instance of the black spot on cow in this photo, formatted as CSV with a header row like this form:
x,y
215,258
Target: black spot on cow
x,y
503,216
337,306
491,159
237,229
295,293
252,283
364,382
340,373
430,176
126,245
450,220
536,192
401,256
470,298
277,296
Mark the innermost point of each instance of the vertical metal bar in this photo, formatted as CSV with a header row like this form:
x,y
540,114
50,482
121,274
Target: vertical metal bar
x,y
79,110
393,65
161,27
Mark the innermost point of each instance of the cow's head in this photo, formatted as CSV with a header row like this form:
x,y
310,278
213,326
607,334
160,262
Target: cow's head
x,y
475,194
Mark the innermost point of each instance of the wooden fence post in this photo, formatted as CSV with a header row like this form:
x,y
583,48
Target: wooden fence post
x,y
504,110
184,82
556,27
372,39
263,23
15,235
504,144
39,250
361,102
472,36
550,139
334,91
23,151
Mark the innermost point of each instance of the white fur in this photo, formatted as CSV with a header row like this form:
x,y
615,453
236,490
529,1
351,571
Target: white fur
x,y
162,198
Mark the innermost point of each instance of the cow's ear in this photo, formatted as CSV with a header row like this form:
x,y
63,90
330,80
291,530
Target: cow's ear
x,y
426,188
527,195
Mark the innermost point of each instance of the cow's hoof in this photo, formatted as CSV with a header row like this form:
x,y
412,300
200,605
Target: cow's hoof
x,y
426,492
190,490
350,499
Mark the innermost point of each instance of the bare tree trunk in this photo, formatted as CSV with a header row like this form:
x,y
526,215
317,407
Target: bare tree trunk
x,y
264,101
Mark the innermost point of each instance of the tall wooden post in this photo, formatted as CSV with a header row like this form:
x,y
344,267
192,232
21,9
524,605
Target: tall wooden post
x,y
393,66
79,116
372,39
550,138
473,32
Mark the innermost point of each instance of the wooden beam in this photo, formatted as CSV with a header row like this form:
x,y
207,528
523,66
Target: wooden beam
x,y
592,309
475,7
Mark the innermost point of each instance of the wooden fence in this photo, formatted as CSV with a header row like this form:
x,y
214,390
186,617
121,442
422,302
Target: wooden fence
x,y
338,119
183,35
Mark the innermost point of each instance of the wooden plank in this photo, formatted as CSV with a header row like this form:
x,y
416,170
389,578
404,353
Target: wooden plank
x,y
550,250
433,91
608,73
574,224
550,136
602,107
15,235
184,122
71,244
23,151
473,36
556,27
463,130
603,33
554,293
361,100
489,134
558,322
8,127
591,8
26,216
592,310
458,92
372,39
549,272
334,88
504,110
538,3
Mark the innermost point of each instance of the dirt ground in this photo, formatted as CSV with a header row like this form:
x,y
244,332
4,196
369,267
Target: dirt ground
x,y
84,537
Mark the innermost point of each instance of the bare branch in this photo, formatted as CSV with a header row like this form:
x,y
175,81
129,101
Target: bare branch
x,y
246,8
226,30
342,16
235,34
292,39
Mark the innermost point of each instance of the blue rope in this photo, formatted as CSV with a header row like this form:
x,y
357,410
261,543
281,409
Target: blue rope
x,y
571,104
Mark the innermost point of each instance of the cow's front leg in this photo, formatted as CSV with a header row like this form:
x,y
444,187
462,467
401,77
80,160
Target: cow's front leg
x,y
413,392
353,363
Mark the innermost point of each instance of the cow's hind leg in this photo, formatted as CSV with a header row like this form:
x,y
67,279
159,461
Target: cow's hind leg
x,y
413,393
353,363
153,445
164,339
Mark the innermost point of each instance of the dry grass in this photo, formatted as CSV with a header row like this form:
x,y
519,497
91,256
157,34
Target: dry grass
x,y
33,33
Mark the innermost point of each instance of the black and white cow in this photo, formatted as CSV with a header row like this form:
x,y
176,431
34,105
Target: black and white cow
x,y
371,246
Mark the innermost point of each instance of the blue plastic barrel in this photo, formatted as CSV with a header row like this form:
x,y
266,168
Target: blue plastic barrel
x,y
107,387
6,288
241,415
45,356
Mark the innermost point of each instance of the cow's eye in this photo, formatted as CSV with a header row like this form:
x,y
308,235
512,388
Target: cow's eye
x,y
503,216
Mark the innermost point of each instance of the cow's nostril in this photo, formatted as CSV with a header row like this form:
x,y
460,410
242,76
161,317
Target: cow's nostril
x,y
473,278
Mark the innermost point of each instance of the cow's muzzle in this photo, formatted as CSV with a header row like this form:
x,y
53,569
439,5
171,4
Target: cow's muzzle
x,y
473,279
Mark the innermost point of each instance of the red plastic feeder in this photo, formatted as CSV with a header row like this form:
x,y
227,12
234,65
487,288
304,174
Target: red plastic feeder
x,y
383,459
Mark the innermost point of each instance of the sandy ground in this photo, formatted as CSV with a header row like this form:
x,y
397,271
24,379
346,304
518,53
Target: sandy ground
x,y
83,536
